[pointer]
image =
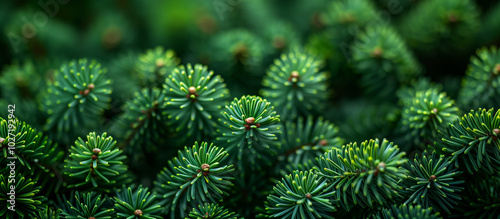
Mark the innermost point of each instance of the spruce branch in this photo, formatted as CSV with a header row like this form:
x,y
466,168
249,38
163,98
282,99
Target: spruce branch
x,y
295,85
79,93
96,161
436,27
482,82
27,200
194,98
137,203
428,112
212,211
89,205
368,174
381,57
197,174
432,182
154,66
301,195
249,130
472,141
307,139
406,212
142,126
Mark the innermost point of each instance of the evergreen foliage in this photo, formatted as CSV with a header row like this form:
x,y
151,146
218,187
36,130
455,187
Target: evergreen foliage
x,y
432,182
367,174
249,129
301,195
472,141
137,203
96,161
79,93
211,211
197,174
194,98
406,212
310,81
480,85
295,85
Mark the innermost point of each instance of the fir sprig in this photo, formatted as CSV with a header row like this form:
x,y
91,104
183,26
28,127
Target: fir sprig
x,y
79,93
295,85
24,192
432,182
96,161
249,130
406,212
473,141
428,112
142,126
212,211
301,195
482,81
194,98
196,174
307,139
154,66
137,203
368,174
86,205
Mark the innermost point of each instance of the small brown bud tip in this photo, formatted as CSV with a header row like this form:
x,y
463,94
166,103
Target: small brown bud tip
x,y
308,195
205,167
1,140
377,52
86,92
96,150
497,69
435,111
94,157
323,142
91,217
80,92
250,120
159,63
91,87
433,177
247,127
294,74
138,212
279,42
496,131
452,18
192,90
258,125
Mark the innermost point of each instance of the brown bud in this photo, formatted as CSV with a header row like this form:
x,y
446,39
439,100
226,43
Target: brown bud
x,y
279,42
496,131
323,142
159,63
91,87
497,69
192,90
138,212
94,157
205,167
1,140
435,111
377,52
452,18
91,217
433,177
250,120
96,150
308,195
86,92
